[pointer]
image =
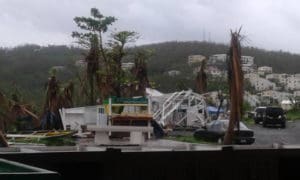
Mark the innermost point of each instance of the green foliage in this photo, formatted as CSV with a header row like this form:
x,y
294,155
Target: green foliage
x,y
96,24
27,67
293,114
188,139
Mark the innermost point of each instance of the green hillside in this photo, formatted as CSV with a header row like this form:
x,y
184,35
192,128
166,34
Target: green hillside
x,y
26,68
174,55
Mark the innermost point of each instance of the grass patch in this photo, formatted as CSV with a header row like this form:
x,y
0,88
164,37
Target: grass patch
x,y
188,139
293,115
248,121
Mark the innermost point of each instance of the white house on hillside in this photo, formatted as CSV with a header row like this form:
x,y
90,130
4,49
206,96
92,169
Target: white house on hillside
x,y
272,76
253,100
264,70
192,59
173,73
260,84
217,58
293,83
127,66
214,71
279,96
247,60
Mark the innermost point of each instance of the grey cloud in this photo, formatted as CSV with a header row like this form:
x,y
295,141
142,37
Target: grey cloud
x,y
270,24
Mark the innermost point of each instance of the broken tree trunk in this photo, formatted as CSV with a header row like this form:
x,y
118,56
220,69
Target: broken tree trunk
x,y
3,142
201,79
235,78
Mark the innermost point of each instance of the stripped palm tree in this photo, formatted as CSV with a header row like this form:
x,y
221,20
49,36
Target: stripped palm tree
x,y
201,79
139,72
66,96
55,100
235,79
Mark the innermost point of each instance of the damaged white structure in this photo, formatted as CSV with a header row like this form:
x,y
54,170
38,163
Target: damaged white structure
x,y
184,108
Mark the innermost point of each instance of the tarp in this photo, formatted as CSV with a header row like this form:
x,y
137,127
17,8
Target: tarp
x,y
213,110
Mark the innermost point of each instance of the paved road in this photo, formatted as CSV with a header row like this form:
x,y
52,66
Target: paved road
x,y
267,136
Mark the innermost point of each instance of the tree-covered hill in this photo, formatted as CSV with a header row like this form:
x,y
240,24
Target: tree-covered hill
x,y
27,67
174,55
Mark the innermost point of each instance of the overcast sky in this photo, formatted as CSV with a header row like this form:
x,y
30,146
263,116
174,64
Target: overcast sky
x,y
269,24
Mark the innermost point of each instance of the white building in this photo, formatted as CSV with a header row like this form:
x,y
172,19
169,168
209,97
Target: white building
x,y
264,70
247,60
127,66
173,73
193,59
214,71
253,100
248,69
260,84
293,82
251,76
283,78
279,96
217,59
273,76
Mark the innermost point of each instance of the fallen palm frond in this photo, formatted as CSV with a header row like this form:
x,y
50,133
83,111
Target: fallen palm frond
x,y
235,79
139,72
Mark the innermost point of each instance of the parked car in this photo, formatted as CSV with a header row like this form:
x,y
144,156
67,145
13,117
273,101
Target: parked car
x,y
259,114
215,131
274,116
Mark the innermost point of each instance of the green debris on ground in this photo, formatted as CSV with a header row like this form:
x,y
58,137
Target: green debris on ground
x,y
188,139
61,141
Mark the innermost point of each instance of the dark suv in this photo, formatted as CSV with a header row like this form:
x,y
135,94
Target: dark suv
x,y
274,116
259,114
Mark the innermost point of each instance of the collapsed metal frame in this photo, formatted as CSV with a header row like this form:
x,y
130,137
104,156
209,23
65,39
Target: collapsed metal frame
x,y
181,109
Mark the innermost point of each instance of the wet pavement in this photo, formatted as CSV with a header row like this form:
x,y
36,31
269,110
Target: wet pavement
x,y
270,135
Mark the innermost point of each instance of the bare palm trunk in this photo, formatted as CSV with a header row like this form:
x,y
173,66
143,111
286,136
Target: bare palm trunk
x,y
91,81
201,79
235,77
3,142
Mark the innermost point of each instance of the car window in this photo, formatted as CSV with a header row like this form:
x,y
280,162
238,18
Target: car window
x,y
274,111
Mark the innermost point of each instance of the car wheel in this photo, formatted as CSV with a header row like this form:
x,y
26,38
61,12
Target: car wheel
x,y
283,125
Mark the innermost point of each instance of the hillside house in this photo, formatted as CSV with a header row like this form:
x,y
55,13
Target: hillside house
x,y
173,73
293,82
214,71
263,70
127,66
279,96
247,60
195,59
217,59
260,84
